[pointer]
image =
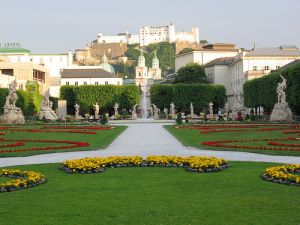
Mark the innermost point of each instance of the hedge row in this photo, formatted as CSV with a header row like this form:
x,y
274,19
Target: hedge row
x,y
183,94
106,96
262,91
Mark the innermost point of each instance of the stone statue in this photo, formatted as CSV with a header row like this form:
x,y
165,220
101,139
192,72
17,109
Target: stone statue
x,y
77,110
281,111
12,114
166,111
156,111
46,108
134,113
238,104
97,109
281,96
226,111
116,106
211,110
172,110
192,110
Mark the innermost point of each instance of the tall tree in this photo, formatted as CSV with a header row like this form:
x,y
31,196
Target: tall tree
x,y
191,73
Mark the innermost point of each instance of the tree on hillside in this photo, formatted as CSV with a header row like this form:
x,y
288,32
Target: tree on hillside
x,y
185,50
191,73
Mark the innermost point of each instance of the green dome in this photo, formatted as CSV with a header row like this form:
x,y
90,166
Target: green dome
x,y
108,67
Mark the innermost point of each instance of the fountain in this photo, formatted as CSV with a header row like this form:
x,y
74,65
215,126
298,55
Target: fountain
x,y
144,102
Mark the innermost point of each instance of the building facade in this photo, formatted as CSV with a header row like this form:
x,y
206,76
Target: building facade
x,y
206,54
53,62
143,75
233,72
22,72
85,75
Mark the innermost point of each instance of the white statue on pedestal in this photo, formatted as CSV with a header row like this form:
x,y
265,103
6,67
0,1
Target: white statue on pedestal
x,y
46,110
172,110
192,110
12,114
281,111
97,109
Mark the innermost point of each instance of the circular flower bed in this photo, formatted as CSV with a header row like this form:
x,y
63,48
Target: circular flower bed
x,y
22,179
286,174
98,164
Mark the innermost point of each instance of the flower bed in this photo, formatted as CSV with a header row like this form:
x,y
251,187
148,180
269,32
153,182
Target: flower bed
x,y
224,128
56,129
21,179
71,144
271,142
286,174
98,164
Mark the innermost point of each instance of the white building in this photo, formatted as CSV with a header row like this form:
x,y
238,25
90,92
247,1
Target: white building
x,y
119,38
143,75
206,54
89,75
53,62
149,34
235,71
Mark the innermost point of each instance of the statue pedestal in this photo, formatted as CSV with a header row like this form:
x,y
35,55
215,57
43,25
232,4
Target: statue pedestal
x,y
12,116
281,112
48,113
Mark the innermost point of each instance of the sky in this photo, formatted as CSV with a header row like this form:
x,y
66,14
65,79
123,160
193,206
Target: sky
x,y
56,26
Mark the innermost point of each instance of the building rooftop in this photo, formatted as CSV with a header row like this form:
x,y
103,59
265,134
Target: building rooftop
x,y
220,61
87,73
283,50
14,50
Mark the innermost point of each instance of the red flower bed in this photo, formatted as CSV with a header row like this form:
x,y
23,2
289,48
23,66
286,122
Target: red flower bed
x,y
57,129
224,144
221,128
71,144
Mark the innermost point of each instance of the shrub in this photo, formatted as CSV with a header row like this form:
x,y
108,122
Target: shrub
x,y
106,96
183,94
179,118
104,119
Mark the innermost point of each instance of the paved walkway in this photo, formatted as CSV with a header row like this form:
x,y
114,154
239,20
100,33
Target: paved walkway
x,y
145,139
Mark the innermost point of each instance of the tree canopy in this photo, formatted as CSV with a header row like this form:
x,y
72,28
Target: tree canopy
x,y
191,73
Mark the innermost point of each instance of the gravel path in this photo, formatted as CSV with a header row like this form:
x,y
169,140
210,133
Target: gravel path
x,y
145,139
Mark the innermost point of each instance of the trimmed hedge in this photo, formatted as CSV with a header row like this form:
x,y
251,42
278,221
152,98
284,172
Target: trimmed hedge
x,y
262,91
106,96
183,94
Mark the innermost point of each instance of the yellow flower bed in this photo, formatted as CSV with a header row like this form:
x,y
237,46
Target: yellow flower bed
x,y
24,179
286,174
191,163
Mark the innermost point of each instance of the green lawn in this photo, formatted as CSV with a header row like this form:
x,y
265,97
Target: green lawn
x,y
153,196
193,138
100,140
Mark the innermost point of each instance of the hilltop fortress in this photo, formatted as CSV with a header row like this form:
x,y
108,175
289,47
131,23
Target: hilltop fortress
x,y
149,35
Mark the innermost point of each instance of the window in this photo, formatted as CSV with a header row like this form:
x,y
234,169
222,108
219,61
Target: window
x,y
67,83
31,59
106,82
118,82
96,83
266,67
254,67
85,83
277,67
76,83
50,59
